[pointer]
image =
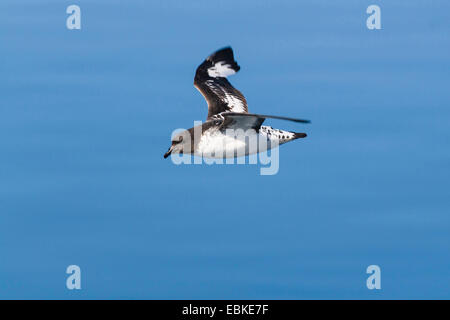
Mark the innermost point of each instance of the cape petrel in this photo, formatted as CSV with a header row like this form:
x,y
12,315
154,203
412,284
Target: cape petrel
x,y
227,110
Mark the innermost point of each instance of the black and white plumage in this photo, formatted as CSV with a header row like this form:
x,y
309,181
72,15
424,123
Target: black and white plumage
x,y
211,80
227,110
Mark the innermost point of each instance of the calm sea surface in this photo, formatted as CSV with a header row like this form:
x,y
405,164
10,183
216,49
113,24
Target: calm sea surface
x,y
86,116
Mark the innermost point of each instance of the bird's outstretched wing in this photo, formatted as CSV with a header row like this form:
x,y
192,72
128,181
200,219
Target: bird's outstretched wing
x,y
264,116
211,80
251,121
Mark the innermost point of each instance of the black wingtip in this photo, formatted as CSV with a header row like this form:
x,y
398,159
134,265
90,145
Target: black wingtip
x,y
225,54
221,54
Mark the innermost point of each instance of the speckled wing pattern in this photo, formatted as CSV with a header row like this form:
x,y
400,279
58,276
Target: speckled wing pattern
x,y
211,80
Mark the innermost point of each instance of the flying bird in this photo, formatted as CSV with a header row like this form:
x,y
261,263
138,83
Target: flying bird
x,y
227,112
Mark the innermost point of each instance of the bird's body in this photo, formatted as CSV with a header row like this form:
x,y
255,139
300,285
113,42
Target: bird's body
x,y
217,144
229,131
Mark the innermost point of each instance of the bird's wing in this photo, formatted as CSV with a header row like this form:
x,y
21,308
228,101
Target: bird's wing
x,y
264,116
211,80
246,121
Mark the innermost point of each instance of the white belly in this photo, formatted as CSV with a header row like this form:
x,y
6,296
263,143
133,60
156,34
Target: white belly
x,y
218,145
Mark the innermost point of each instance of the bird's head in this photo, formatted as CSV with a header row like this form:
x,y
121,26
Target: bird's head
x,y
181,143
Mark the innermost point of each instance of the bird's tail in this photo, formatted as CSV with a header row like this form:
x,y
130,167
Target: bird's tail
x,y
282,136
299,135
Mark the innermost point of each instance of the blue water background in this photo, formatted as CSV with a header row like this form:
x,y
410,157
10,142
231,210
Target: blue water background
x,y
86,115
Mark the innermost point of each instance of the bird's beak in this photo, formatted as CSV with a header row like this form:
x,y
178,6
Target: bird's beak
x,y
168,152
